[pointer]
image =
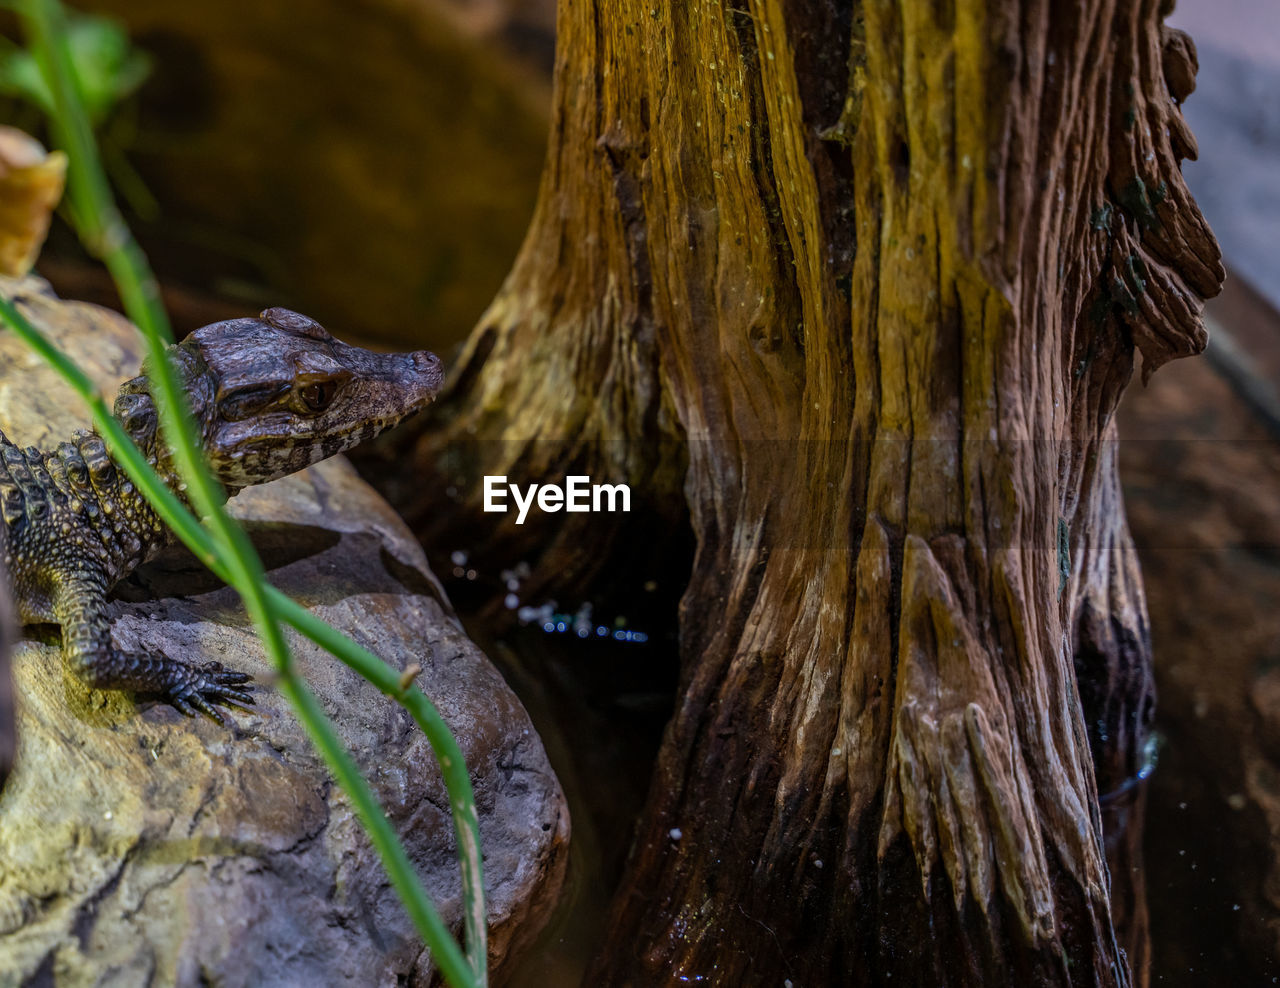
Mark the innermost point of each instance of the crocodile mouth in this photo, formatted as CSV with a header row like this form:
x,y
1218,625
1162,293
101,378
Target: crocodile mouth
x,y
268,455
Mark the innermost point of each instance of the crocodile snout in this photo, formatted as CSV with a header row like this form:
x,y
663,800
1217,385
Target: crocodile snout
x,y
429,369
425,360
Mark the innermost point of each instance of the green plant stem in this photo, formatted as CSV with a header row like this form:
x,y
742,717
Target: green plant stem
x,y
444,949
107,236
228,552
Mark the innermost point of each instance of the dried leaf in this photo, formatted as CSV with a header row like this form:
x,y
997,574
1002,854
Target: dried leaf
x,y
31,183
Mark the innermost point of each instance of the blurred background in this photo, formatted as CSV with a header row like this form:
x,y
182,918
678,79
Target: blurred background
x,y
374,164
1200,461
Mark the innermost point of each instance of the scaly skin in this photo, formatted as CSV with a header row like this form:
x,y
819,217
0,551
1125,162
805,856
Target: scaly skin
x,y
269,396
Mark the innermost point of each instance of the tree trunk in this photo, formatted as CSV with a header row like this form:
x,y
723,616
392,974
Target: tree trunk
x,y
858,288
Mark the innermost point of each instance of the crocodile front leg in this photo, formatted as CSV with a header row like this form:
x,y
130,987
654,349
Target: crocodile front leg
x,y
80,606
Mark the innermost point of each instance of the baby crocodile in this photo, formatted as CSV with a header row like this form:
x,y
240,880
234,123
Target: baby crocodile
x,y
269,396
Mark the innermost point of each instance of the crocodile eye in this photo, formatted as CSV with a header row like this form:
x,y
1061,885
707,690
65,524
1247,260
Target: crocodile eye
x,y
319,395
246,402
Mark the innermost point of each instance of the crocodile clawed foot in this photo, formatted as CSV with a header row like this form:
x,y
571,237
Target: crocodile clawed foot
x,y
211,683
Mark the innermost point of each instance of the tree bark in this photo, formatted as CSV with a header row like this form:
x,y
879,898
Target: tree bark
x,y
857,288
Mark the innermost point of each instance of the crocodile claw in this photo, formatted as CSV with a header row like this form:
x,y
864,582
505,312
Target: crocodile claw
x,y
208,684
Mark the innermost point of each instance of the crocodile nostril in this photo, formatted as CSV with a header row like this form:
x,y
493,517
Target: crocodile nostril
x,y
426,360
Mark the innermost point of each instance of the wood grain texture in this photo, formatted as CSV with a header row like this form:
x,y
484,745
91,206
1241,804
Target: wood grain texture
x,y
859,287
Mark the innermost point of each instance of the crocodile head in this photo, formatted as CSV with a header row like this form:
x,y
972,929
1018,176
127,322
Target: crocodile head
x,y
275,394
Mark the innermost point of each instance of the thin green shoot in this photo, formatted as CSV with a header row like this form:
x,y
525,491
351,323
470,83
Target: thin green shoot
x,y
223,545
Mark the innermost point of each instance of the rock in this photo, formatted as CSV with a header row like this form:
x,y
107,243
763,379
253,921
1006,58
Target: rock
x,y
138,846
